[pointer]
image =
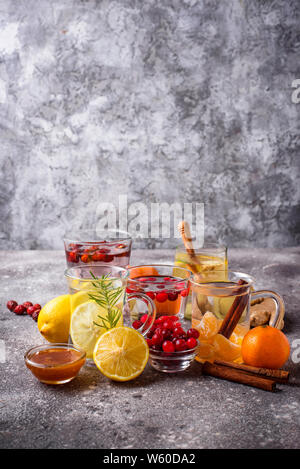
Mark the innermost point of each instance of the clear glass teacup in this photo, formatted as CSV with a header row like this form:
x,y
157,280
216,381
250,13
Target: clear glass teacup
x,y
221,312
208,258
91,246
99,302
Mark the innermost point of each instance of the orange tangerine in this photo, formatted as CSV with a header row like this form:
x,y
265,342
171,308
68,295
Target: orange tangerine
x,y
208,326
225,349
205,351
266,347
143,271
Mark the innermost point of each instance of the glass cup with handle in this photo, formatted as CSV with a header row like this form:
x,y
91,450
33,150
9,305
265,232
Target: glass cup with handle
x,y
99,302
221,312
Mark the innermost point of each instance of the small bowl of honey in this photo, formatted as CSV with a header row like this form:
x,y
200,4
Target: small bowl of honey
x,y
55,363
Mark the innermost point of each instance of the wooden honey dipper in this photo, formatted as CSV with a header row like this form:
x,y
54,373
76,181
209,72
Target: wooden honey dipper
x,y
184,230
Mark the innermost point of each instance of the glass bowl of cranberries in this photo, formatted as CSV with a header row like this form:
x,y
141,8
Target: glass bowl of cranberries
x,y
171,348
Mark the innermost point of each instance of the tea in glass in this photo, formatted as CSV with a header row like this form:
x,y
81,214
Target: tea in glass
x,y
209,258
112,247
168,292
220,313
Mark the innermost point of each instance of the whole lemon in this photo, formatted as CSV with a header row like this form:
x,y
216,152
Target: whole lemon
x,y
54,319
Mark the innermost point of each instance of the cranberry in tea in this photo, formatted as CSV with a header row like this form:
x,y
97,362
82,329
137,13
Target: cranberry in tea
x,y
92,246
169,292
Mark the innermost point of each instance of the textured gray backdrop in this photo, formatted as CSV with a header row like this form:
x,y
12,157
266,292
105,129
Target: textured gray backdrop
x,y
165,101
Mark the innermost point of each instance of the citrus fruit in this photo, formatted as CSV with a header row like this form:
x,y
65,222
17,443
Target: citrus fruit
x,y
54,319
225,349
144,271
121,354
83,330
78,298
265,347
178,272
208,326
205,351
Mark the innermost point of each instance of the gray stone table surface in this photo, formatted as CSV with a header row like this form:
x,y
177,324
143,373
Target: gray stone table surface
x,y
184,410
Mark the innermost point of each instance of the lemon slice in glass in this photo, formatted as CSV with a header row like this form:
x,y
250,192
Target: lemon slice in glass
x,y
121,354
83,330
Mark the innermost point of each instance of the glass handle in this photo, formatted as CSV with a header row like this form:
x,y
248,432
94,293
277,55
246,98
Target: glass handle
x,y
144,329
279,304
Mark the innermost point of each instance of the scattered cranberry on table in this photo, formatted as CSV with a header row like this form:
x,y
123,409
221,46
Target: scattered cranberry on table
x,y
20,310
11,305
26,308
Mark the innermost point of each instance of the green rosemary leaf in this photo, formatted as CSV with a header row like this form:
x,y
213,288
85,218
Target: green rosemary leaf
x,y
107,296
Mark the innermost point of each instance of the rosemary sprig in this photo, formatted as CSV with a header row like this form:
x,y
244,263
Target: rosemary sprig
x,y
107,296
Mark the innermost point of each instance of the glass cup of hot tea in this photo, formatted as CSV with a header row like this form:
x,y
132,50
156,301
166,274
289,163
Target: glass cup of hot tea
x,y
112,247
221,312
206,258
166,285
99,302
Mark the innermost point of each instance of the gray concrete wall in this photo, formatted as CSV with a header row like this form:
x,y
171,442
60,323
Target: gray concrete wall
x,y
165,101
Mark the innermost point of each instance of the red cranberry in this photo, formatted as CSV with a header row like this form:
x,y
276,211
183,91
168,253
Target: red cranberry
x,y
85,258
161,296
98,257
172,296
193,333
108,258
27,304
144,318
191,343
178,331
37,306
30,310
184,292
173,318
180,345
137,324
73,257
151,295
166,334
167,324
149,342
168,346
19,310
11,305
35,314
157,339
165,318
158,330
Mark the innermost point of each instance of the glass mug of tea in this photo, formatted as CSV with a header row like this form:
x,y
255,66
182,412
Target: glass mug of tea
x,y
99,302
221,313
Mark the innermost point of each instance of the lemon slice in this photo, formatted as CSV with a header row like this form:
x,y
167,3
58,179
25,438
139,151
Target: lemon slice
x,y
83,330
78,298
121,354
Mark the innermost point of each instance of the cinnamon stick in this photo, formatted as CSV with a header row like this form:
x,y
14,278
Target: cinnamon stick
x,y
238,376
280,376
235,312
